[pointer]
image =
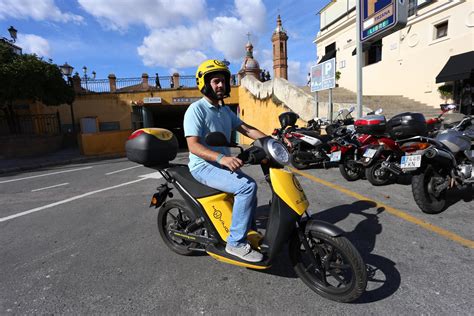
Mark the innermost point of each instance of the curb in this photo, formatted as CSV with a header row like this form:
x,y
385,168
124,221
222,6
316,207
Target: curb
x,y
45,164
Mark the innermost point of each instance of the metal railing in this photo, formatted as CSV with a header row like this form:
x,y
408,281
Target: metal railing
x,y
136,84
95,85
34,124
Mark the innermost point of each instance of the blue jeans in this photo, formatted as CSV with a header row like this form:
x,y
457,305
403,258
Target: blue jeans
x,y
244,189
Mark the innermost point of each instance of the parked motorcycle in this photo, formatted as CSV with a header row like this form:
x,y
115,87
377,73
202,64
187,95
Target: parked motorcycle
x,y
352,147
381,158
307,146
322,257
440,163
445,120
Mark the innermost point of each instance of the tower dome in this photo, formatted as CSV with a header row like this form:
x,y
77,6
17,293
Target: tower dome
x,y
250,65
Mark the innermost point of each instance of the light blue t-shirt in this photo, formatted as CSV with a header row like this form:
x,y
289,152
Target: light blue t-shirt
x,y
202,118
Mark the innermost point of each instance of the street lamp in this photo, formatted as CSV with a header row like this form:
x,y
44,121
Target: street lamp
x,y
66,70
84,69
10,42
12,32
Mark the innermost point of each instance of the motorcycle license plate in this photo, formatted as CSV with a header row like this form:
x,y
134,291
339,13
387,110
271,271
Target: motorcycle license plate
x,y
410,162
369,153
335,156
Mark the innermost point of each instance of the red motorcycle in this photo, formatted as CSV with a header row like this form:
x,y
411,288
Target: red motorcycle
x,y
352,147
381,159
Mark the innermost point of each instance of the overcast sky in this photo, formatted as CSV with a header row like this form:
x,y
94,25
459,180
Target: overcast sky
x,y
130,37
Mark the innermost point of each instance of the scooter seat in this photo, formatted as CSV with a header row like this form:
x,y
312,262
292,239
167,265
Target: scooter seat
x,y
187,181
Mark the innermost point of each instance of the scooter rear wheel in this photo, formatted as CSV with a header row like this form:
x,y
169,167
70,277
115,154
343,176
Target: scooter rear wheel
x,y
175,215
340,273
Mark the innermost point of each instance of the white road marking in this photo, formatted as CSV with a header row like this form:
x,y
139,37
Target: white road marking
x,y
122,170
53,186
44,175
153,175
3,219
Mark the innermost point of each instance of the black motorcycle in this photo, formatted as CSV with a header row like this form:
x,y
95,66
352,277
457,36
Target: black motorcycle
x,y
440,163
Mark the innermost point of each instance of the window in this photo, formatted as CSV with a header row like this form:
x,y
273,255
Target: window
x,y
441,30
330,48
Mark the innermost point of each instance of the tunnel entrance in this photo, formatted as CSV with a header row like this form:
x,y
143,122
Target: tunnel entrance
x,y
171,117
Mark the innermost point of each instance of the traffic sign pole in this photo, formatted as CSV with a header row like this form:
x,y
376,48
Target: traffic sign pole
x,y
360,61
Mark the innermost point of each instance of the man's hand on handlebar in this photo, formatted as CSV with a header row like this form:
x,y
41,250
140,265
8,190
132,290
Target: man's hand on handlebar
x,y
232,163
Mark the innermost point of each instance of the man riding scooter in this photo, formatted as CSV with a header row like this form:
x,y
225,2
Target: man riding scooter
x,y
214,166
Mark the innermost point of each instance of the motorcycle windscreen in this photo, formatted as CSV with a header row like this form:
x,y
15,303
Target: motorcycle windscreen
x,y
288,188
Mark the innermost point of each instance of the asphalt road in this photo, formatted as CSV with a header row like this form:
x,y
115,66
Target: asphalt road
x,y
81,239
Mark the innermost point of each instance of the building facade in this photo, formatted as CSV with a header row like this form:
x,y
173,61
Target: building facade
x,y
407,61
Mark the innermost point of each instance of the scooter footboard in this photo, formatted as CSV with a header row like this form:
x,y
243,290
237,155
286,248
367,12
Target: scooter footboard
x,y
323,227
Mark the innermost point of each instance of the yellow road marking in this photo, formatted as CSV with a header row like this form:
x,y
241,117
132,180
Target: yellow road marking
x,y
412,219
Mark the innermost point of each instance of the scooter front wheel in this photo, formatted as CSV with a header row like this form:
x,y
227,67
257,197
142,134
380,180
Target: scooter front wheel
x,y
333,267
174,215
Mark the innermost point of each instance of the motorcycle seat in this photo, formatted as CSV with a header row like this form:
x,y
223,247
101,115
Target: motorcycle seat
x,y
187,181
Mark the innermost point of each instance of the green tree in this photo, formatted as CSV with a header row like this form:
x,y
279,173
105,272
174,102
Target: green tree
x,y
446,92
28,77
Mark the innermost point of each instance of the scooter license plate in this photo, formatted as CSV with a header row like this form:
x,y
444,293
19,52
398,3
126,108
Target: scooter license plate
x,y
335,156
410,162
369,153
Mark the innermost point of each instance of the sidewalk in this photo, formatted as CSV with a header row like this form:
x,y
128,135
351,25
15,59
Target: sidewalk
x,y
60,157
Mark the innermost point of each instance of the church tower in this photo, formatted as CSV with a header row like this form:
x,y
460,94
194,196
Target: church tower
x,y
250,66
280,54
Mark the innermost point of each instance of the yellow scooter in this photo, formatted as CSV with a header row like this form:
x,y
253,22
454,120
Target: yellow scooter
x,y
322,257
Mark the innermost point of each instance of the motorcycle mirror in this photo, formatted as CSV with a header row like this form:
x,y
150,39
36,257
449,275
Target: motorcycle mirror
x,y
379,111
217,139
351,109
451,107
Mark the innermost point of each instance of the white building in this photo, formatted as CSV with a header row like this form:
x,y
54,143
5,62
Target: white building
x,y
407,61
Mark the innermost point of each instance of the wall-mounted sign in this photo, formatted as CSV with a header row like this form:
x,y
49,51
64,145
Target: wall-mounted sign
x,y
152,100
185,100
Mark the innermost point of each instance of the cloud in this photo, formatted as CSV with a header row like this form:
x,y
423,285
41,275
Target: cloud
x,y
153,14
162,48
187,46
38,10
295,73
34,44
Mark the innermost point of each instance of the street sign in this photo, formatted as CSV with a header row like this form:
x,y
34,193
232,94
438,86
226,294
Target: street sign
x,y
380,18
152,100
323,76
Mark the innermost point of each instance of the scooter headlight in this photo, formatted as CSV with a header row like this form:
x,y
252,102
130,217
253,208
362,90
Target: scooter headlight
x,y
278,152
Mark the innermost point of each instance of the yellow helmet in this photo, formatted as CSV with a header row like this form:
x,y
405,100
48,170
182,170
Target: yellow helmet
x,y
202,77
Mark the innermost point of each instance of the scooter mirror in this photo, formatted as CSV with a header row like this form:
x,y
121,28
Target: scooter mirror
x,y
217,139
379,111
451,107
351,109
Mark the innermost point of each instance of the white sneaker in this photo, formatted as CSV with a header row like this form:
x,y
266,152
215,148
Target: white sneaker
x,y
244,252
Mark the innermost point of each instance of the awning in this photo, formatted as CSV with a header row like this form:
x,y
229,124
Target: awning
x,y
329,55
458,67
